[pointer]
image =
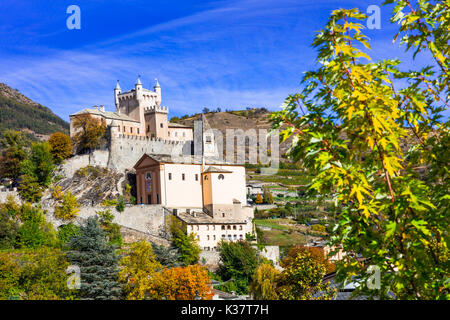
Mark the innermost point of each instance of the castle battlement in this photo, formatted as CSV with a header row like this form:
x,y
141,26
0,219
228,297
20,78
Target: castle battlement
x,y
162,109
148,139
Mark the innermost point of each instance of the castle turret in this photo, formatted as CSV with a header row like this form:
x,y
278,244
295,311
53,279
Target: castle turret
x,y
157,88
138,87
117,91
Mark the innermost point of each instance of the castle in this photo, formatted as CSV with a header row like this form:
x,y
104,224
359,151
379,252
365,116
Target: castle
x,y
139,113
175,165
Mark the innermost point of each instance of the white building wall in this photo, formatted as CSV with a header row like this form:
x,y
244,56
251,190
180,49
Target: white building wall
x,y
210,235
179,193
231,187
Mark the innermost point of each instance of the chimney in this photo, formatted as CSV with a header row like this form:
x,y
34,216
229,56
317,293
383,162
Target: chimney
x,y
175,212
194,214
188,211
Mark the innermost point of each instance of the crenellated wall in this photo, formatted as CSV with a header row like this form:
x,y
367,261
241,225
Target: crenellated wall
x,y
126,150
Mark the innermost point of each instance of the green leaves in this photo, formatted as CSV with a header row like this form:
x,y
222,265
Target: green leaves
x,y
352,132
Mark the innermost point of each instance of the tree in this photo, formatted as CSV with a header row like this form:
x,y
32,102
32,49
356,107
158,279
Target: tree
x,y
316,253
238,261
67,231
302,279
68,207
30,189
267,195
89,132
186,244
34,275
182,283
138,268
9,223
112,229
98,262
14,144
264,284
351,120
259,199
34,231
205,110
168,257
40,164
61,146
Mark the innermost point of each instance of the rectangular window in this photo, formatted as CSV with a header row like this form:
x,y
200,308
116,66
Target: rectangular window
x,y
137,130
207,237
240,227
118,128
170,176
131,129
148,128
196,177
214,237
234,237
161,125
124,129
234,228
149,199
223,227
182,176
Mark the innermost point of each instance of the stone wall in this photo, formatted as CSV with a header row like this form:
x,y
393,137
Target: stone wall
x,y
127,150
272,253
123,153
148,219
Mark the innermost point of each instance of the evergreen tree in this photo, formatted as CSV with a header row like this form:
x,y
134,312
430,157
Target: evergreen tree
x,y
168,257
98,263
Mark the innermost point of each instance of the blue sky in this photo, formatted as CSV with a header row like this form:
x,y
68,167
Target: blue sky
x,y
228,54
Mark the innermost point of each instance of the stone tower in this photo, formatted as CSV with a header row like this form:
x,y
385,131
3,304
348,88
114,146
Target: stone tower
x,y
144,106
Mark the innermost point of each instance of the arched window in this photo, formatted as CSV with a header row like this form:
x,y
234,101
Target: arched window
x,y
221,177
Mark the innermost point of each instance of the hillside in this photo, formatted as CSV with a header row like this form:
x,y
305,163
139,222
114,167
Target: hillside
x,y
256,118
21,113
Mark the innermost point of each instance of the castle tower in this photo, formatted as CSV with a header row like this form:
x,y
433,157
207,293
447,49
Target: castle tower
x,y
117,91
138,89
157,89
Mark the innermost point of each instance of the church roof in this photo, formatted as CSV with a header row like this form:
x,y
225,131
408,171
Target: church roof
x,y
105,114
163,158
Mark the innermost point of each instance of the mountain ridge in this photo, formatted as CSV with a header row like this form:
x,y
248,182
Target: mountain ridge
x,y
19,112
